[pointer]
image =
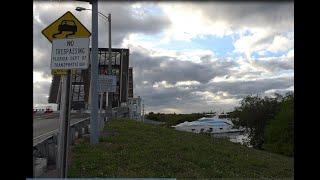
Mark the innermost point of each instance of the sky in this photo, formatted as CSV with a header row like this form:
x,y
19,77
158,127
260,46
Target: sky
x,y
186,56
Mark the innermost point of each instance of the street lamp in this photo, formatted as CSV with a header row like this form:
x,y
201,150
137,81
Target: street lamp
x,y
109,62
109,20
83,9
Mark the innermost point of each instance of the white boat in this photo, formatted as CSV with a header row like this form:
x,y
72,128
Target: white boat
x,y
213,125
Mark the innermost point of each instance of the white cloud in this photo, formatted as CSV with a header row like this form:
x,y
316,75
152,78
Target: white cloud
x,y
248,44
183,84
187,83
162,84
280,44
219,97
37,55
271,92
38,77
189,22
290,56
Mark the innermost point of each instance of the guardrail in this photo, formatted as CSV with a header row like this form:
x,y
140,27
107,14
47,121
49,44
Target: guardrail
x,y
45,145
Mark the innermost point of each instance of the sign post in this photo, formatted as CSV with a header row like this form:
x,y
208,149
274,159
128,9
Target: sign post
x,y
70,51
64,125
67,54
106,83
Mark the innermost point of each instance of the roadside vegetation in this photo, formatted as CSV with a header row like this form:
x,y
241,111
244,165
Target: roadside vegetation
x,y
129,148
269,122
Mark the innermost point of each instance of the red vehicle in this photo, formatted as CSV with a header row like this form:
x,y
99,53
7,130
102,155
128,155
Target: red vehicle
x,y
47,110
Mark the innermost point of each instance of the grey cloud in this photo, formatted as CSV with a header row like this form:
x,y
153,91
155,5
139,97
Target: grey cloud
x,y
243,88
147,68
156,100
256,14
123,22
275,65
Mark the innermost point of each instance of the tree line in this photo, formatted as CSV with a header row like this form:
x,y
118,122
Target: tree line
x,y
268,120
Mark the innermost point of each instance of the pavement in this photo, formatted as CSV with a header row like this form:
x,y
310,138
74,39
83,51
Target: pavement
x,y
46,123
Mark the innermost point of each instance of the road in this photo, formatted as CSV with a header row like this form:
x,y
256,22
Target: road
x,y
46,123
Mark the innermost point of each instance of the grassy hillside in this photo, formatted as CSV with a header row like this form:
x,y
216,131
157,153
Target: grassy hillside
x,y
133,149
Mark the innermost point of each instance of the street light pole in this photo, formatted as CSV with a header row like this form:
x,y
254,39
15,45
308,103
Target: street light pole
x,y
109,63
94,129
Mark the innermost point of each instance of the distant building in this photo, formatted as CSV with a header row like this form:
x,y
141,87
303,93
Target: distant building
x,y
130,88
134,105
81,81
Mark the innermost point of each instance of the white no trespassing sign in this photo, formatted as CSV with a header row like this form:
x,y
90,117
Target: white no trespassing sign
x,y
70,53
107,83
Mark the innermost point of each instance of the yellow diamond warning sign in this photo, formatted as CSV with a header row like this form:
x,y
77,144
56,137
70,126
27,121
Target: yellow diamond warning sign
x,y
67,26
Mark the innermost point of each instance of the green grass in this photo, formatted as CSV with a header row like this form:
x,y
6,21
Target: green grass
x,y
141,150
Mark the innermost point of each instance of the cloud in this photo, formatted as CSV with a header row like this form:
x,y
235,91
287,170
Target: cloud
x,y
260,25
220,19
280,43
41,92
209,84
271,92
172,69
186,80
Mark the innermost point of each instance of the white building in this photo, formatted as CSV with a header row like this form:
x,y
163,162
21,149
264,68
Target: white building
x,y
134,105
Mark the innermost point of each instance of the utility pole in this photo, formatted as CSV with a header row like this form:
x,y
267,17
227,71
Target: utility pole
x,y
94,128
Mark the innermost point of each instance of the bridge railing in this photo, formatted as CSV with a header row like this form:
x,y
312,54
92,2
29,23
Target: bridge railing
x,y
45,145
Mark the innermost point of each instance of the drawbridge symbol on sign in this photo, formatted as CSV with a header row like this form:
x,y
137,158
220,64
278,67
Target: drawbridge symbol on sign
x,y
65,27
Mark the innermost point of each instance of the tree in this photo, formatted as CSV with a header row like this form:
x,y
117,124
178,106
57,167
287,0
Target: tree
x,y
254,113
279,131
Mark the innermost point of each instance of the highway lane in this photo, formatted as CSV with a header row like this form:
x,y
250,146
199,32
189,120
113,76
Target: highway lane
x,y
47,123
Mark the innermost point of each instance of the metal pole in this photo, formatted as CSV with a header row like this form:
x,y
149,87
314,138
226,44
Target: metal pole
x,y
101,122
143,112
94,129
64,125
109,63
107,98
58,101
